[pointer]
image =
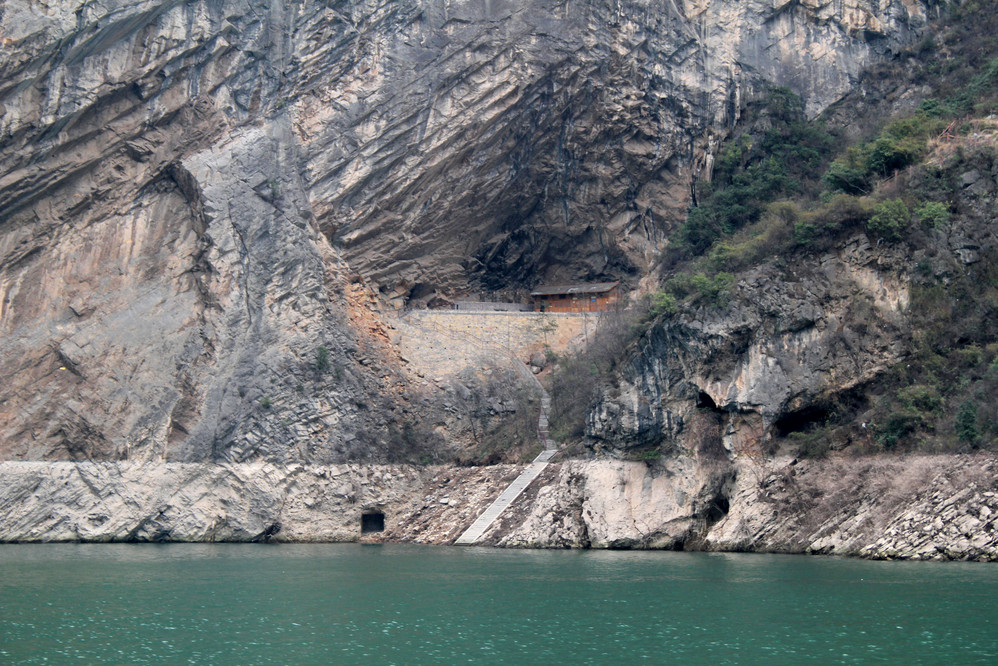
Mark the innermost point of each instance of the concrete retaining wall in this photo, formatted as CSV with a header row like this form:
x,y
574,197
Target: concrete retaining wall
x,y
485,306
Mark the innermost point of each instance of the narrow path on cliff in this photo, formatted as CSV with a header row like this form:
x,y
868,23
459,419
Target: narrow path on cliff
x,y
520,483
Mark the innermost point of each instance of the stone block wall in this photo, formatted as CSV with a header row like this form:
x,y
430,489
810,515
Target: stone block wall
x,y
521,333
443,342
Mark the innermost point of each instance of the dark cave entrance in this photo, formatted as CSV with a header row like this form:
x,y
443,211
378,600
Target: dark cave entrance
x,y
718,509
800,420
371,522
704,401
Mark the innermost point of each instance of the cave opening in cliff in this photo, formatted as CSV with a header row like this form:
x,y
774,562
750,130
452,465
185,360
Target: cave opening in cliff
x,y
371,522
800,420
420,290
704,401
718,509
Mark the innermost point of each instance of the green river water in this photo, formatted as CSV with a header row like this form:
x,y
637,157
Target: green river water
x,y
349,603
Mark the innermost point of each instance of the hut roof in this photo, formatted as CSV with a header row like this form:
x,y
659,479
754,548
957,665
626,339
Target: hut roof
x,y
590,288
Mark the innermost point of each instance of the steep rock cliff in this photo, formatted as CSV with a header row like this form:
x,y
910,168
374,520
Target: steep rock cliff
x,y
186,190
497,144
796,335
808,334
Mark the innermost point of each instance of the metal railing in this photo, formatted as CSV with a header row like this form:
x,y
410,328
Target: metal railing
x,y
484,306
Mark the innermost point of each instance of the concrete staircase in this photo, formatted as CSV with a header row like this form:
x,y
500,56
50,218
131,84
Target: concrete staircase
x,y
493,347
543,433
520,483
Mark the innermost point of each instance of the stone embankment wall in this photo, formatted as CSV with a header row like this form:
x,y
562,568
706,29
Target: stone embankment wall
x,y
439,343
905,507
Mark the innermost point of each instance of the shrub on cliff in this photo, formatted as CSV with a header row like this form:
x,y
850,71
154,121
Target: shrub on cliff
x,y
921,398
694,289
578,378
933,214
889,220
321,359
848,174
899,145
780,156
663,302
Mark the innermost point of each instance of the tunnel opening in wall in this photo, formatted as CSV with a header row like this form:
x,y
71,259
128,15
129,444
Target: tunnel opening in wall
x,y
371,522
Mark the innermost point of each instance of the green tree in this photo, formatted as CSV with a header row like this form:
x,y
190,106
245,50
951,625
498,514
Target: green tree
x,y
663,303
848,173
714,290
933,214
896,428
966,423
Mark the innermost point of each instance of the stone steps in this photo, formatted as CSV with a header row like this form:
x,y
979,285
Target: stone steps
x,y
519,484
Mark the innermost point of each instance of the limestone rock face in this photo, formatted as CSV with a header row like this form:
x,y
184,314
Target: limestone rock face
x,y
900,507
176,324
615,504
793,338
164,291
172,174
503,142
801,333
915,507
174,178
137,501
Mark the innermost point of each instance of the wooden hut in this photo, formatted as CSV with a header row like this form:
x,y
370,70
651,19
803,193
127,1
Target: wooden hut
x,y
592,297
